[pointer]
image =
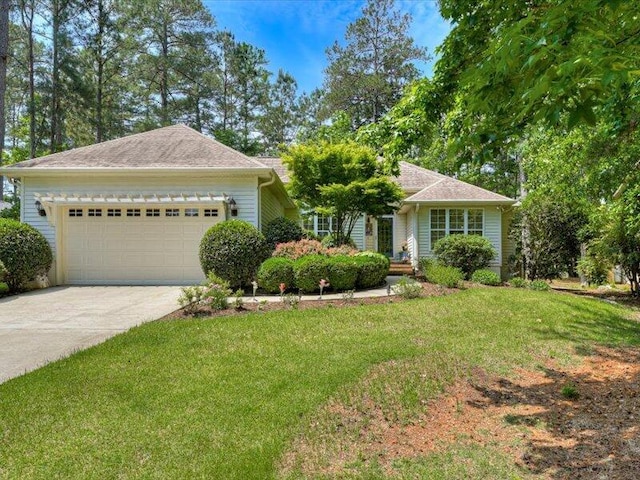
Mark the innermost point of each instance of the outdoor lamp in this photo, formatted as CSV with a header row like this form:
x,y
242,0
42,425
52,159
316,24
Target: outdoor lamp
x,y
41,211
233,207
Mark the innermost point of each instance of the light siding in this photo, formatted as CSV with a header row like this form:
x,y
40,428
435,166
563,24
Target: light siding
x,y
358,232
399,233
243,190
411,236
492,230
271,208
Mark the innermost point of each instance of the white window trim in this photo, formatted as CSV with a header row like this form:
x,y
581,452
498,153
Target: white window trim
x,y
447,230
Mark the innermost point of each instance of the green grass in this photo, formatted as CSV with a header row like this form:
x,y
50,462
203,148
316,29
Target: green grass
x,y
227,397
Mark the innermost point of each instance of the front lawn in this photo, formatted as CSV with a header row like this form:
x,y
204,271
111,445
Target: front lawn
x,y
230,397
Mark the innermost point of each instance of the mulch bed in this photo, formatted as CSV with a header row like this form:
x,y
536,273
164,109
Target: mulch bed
x,y
429,290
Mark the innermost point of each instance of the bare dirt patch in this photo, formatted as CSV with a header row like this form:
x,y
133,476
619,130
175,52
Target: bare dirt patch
x,y
529,417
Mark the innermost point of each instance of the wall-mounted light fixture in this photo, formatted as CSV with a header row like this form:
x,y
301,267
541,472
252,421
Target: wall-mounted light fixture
x,y
233,207
41,211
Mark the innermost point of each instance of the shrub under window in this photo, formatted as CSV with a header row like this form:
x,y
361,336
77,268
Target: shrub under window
x,y
466,252
282,230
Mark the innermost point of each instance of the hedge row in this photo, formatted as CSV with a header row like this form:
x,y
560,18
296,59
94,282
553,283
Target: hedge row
x,y
343,272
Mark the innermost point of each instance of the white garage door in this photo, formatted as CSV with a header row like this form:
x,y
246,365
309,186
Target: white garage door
x,y
135,246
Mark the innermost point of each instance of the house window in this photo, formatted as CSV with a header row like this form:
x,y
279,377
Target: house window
x,y
191,212
94,212
172,212
133,212
75,212
309,223
450,221
324,226
152,212
210,212
114,212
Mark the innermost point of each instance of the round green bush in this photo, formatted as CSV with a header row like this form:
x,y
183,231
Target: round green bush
x,y
486,277
343,272
374,268
3,272
282,230
439,274
466,252
309,270
273,272
233,250
518,282
24,251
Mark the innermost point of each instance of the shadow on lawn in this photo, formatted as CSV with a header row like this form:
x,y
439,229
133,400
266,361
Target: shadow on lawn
x,y
595,435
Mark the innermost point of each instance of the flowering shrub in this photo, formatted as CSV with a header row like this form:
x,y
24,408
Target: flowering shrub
x,y
216,291
304,247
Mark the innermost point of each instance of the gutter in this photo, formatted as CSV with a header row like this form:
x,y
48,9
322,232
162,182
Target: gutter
x,y
116,171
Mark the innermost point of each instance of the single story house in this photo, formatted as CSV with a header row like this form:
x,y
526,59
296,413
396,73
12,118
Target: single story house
x,y
133,210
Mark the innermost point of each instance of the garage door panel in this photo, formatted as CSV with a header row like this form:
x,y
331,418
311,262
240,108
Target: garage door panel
x,y
133,250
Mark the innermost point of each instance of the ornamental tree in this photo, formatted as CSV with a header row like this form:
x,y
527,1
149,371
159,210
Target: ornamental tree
x,y
341,180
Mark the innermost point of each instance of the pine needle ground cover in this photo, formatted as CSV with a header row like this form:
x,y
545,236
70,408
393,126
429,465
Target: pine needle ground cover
x,y
233,397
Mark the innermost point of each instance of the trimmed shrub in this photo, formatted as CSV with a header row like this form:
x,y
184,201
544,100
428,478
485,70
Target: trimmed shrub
x,y
309,270
233,250
439,274
465,252
343,272
24,252
299,249
518,282
329,241
216,292
374,268
486,277
3,272
282,230
273,272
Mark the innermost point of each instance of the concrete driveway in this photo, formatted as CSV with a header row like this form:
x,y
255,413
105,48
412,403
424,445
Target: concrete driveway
x,y
45,325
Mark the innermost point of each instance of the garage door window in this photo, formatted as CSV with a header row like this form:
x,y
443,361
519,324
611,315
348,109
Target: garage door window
x,y
133,212
75,212
153,212
172,212
191,212
114,212
94,212
210,212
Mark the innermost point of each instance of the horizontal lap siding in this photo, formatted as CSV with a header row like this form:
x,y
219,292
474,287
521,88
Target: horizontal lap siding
x,y
243,190
492,230
271,208
399,234
357,234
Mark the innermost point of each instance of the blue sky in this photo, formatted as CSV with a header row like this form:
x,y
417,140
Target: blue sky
x,y
295,33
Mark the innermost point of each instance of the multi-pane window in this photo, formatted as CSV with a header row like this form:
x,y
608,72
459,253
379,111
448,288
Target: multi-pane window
x,y
172,212
324,226
475,221
152,212
449,221
309,223
210,212
94,212
191,212
114,212
438,225
75,212
133,212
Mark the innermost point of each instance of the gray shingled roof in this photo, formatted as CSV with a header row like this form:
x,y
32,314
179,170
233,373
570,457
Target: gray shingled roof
x,y
173,147
424,185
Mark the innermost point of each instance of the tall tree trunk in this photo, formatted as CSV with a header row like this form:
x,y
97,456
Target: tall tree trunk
x,y
164,74
55,73
525,234
100,80
4,55
27,13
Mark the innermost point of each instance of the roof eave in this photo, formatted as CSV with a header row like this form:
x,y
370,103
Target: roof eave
x,y
141,171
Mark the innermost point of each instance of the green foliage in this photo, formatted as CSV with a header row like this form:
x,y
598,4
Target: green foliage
x,y
24,252
331,241
444,275
216,292
13,212
407,288
552,244
301,248
273,272
374,268
539,285
341,180
282,230
190,299
593,269
486,277
309,270
3,272
343,272
518,282
4,288
465,252
367,73
238,301
233,250
570,391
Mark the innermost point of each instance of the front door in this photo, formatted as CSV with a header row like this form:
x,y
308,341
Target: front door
x,y
385,236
